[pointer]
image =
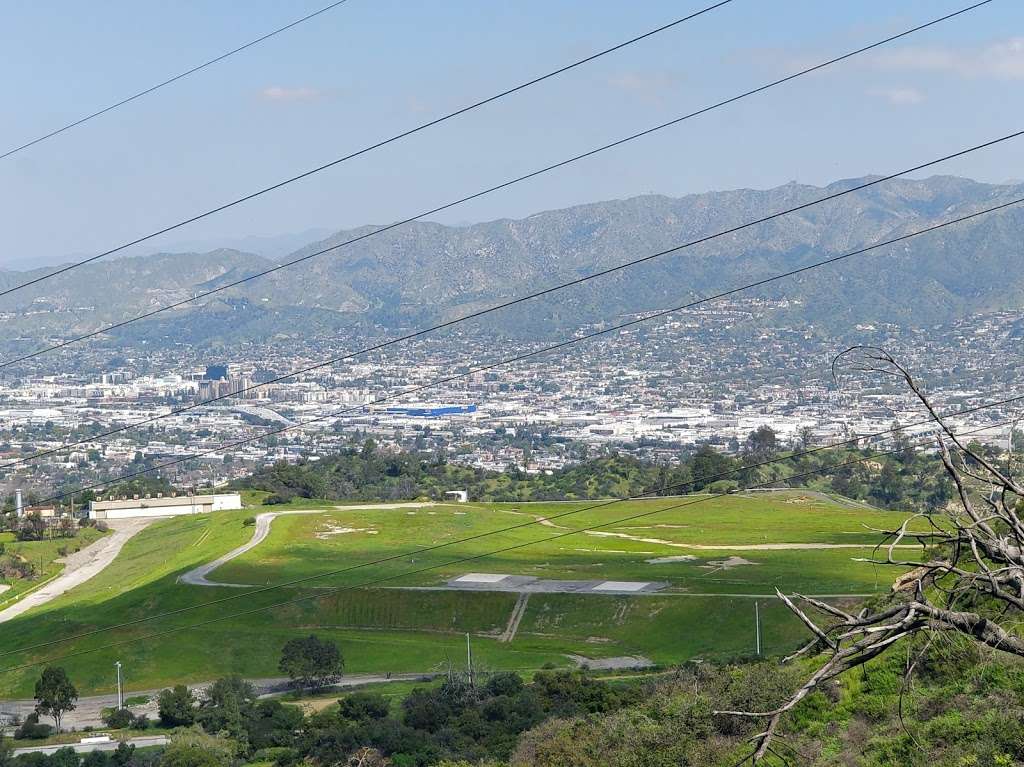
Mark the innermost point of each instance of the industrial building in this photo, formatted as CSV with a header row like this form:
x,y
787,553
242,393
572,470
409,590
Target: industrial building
x,y
426,410
163,506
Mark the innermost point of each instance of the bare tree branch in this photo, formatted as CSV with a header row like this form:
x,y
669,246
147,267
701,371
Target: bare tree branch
x,y
974,558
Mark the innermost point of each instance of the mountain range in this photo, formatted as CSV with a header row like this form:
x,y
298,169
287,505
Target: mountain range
x,y
424,272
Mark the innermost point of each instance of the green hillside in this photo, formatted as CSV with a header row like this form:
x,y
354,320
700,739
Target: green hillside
x,y
706,611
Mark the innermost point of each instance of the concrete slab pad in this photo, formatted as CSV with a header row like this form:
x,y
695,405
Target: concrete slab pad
x,y
482,578
622,586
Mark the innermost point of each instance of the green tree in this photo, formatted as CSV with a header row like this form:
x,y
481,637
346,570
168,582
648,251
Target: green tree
x,y
363,706
228,703
63,757
311,662
707,465
117,718
122,756
30,528
6,751
194,748
95,759
55,695
805,438
762,443
177,707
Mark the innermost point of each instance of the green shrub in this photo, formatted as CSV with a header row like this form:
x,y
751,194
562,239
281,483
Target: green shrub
x,y
117,718
276,498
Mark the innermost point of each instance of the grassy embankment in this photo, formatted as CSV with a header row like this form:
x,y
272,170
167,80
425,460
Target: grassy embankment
x,y
43,556
707,612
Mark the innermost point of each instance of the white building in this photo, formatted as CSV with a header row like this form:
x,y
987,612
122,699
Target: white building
x,y
175,506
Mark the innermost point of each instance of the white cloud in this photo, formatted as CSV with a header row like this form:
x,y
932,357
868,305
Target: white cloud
x,y
999,59
1002,59
281,93
899,96
646,84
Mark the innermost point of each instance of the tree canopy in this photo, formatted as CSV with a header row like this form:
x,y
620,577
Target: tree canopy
x,y
55,694
311,662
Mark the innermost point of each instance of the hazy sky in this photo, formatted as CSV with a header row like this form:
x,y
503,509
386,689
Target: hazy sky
x,y
371,68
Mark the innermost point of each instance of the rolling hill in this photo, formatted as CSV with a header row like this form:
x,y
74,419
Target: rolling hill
x,y
424,271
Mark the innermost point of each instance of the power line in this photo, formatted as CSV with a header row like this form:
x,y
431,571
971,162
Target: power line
x,y
660,492
571,283
371,147
377,581
481,193
668,311
534,353
168,81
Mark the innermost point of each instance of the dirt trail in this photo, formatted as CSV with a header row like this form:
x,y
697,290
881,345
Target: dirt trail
x,y
617,663
544,521
80,566
704,547
742,546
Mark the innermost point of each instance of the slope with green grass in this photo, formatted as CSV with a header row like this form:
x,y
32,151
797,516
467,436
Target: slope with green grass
x,y
43,556
707,611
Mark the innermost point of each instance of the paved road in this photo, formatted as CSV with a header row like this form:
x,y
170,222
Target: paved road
x,y
89,711
555,589
79,567
85,748
198,576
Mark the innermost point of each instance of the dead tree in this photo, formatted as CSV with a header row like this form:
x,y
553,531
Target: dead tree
x,y
972,555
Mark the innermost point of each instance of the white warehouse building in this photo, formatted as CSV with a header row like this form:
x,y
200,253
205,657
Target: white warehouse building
x,y
172,506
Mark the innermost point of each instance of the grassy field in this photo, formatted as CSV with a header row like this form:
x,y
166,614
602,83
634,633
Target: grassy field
x,y
707,611
42,555
308,545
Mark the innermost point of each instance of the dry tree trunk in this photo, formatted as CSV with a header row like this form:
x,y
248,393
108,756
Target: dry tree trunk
x,y
973,553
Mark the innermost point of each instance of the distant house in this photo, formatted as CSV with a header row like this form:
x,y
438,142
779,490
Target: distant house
x,y
43,512
163,506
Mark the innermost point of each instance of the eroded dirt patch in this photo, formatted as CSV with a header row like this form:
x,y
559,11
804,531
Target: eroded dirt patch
x,y
727,564
329,530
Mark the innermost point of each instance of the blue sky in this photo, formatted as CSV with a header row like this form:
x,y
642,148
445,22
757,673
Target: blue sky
x,y
372,68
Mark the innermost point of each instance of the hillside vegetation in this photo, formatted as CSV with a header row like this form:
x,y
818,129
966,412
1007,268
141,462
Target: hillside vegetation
x,y
707,610
425,272
876,476
963,709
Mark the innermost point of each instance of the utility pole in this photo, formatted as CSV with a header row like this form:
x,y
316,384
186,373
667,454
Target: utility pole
x,y
757,629
469,660
120,692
